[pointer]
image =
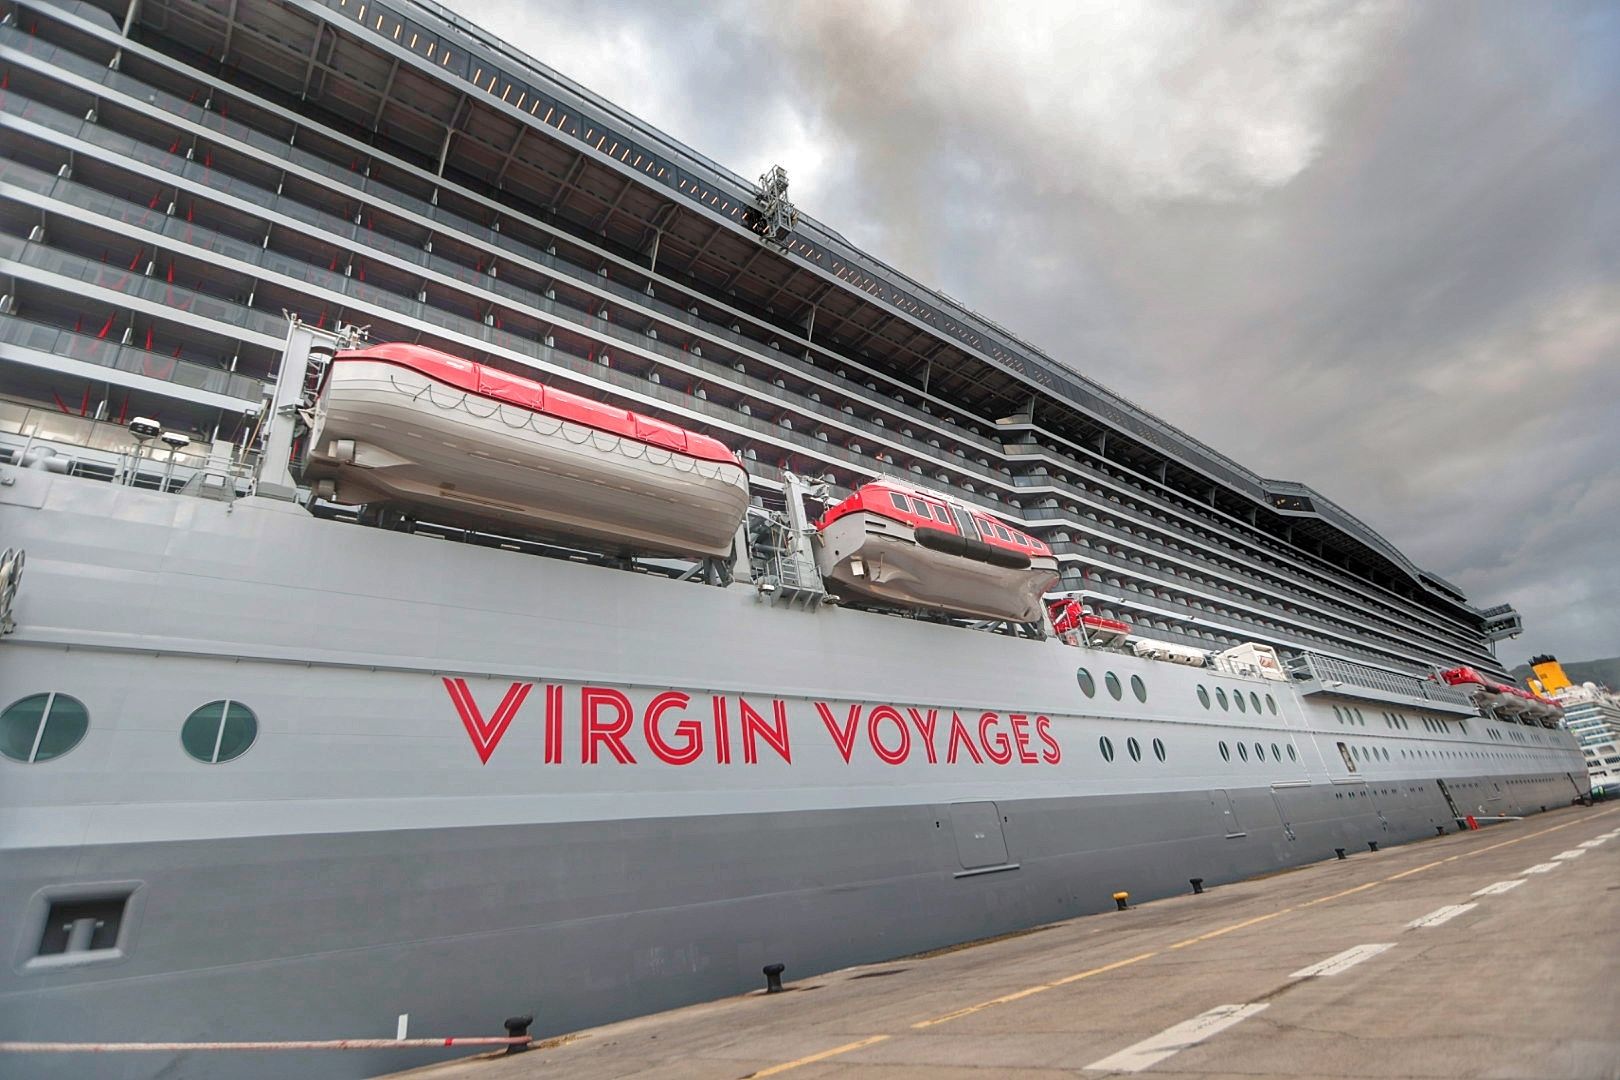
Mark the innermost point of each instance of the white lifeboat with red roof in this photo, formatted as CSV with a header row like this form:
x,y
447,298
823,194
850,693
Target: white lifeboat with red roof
x,y
895,544
459,442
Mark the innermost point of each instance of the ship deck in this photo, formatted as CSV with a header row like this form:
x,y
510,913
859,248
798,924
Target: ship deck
x,y
1417,961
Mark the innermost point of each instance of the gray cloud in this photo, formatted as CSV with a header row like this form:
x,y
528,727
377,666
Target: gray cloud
x,y
1373,247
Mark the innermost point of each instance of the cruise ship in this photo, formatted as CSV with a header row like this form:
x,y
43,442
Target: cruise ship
x,y
467,554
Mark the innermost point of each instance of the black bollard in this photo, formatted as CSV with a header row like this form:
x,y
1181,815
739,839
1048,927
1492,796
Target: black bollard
x,y
518,1026
1197,883
1339,851
1440,830
773,978
1372,845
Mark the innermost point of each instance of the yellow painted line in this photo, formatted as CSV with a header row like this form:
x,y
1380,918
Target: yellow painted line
x,y
1030,991
1492,847
1234,926
811,1059
1067,979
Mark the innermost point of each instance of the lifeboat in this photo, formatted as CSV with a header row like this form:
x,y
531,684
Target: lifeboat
x,y
1511,700
904,546
1486,695
462,443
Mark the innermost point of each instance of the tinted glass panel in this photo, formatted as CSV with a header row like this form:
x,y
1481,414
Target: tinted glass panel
x,y
1139,688
19,725
1115,691
1087,686
64,727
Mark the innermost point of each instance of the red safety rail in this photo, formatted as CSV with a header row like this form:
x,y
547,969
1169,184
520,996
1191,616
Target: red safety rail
x,y
924,509
498,385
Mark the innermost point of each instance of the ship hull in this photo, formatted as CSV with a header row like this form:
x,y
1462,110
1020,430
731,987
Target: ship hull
x,y
689,784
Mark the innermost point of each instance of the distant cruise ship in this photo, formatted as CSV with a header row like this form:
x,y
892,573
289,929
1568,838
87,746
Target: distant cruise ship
x,y
657,586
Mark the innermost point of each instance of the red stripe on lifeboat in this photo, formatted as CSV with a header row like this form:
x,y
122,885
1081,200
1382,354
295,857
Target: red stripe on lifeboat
x,y
884,499
1464,676
509,389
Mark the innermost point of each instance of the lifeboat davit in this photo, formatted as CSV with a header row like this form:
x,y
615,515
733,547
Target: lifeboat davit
x,y
905,546
1486,695
463,443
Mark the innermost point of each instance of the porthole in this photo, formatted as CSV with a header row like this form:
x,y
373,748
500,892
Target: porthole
x,y
1259,752
1254,699
1276,752
1158,749
1115,690
1237,699
1139,688
1243,752
40,727
1087,686
219,731
1293,755
1203,697
1226,753
1106,745
1271,704
1337,715
1220,698
1134,748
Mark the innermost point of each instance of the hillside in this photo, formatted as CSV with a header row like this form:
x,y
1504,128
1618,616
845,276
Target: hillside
x,y
1602,672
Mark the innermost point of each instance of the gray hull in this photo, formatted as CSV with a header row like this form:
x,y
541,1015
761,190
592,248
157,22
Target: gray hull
x,y
366,859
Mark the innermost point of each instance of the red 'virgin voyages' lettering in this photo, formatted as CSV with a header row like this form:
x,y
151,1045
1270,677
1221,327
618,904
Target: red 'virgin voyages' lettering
x,y
892,755
925,728
842,737
688,732
1020,727
997,749
554,724
486,734
960,737
610,733
754,726
722,733
1053,752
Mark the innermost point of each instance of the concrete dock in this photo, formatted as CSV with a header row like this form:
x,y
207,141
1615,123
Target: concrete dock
x,y
1479,954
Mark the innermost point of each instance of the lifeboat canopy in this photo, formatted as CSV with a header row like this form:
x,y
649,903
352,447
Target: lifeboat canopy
x,y
898,545
463,443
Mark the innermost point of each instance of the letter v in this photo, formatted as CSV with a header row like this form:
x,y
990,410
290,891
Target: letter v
x,y
843,737
486,735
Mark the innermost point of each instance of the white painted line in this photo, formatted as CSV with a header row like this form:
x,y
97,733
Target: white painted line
x,y
404,1026
1500,887
1335,964
1572,853
1440,915
1541,868
1599,842
1172,1040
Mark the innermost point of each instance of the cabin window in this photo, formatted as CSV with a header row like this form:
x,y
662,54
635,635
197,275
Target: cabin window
x,y
1139,688
939,513
1021,540
1254,699
900,502
219,731
1203,697
1293,755
1271,703
1135,749
1115,690
1259,752
1243,752
1002,533
40,727
1220,698
1087,686
1226,754
1158,749
1337,715
1237,699
1106,746
1276,752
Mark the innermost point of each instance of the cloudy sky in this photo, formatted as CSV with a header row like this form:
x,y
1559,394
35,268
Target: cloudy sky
x,y
1371,246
